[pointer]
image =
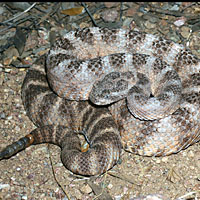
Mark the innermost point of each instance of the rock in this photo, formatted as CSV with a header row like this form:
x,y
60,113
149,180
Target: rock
x,y
110,15
86,189
2,10
24,197
127,22
132,11
150,197
185,31
149,25
180,21
2,186
77,194
165,159
110,4
174,8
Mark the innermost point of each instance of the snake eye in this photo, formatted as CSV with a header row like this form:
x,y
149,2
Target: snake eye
x,y
105,93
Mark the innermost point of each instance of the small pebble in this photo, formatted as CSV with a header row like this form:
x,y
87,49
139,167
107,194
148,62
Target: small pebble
x,y
165,159
158,161
9,117
2,186
125,189
151,197
7,70
18,169
118,197
31,176
144,9
86,189
110,4
24,197
78,194
96,16
185,31
42,195
191,154
149,25
131,11
184,153
110,15
17,128
2,115
180,22
58,164
174,8
2,10
127,22
84,25
192,167
110,186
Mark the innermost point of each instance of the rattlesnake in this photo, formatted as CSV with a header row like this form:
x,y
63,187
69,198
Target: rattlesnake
x,y
146,89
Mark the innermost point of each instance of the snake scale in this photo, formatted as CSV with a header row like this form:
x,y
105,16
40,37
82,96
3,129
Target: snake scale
x,y
120,89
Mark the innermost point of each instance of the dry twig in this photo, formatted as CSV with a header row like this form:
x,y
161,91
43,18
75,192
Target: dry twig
x,y
20,14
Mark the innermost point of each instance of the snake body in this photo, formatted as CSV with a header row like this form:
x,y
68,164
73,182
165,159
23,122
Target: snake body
x,y
116,87
60,122
151,83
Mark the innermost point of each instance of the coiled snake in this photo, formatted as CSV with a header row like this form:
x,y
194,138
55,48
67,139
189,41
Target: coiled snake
x,y
143,95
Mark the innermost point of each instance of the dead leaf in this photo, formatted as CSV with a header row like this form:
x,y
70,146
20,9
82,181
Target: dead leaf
x,y
7,61
73,11
197,10
20,40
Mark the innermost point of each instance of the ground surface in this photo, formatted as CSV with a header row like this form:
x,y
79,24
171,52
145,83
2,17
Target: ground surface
x,y
37,172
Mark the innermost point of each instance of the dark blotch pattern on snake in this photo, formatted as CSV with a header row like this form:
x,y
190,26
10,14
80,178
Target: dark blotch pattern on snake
x,y
150,84
60,121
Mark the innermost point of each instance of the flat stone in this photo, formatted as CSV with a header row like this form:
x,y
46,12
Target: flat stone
x,y
86,189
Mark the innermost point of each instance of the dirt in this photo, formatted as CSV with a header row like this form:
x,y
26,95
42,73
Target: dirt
x,y
38,173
